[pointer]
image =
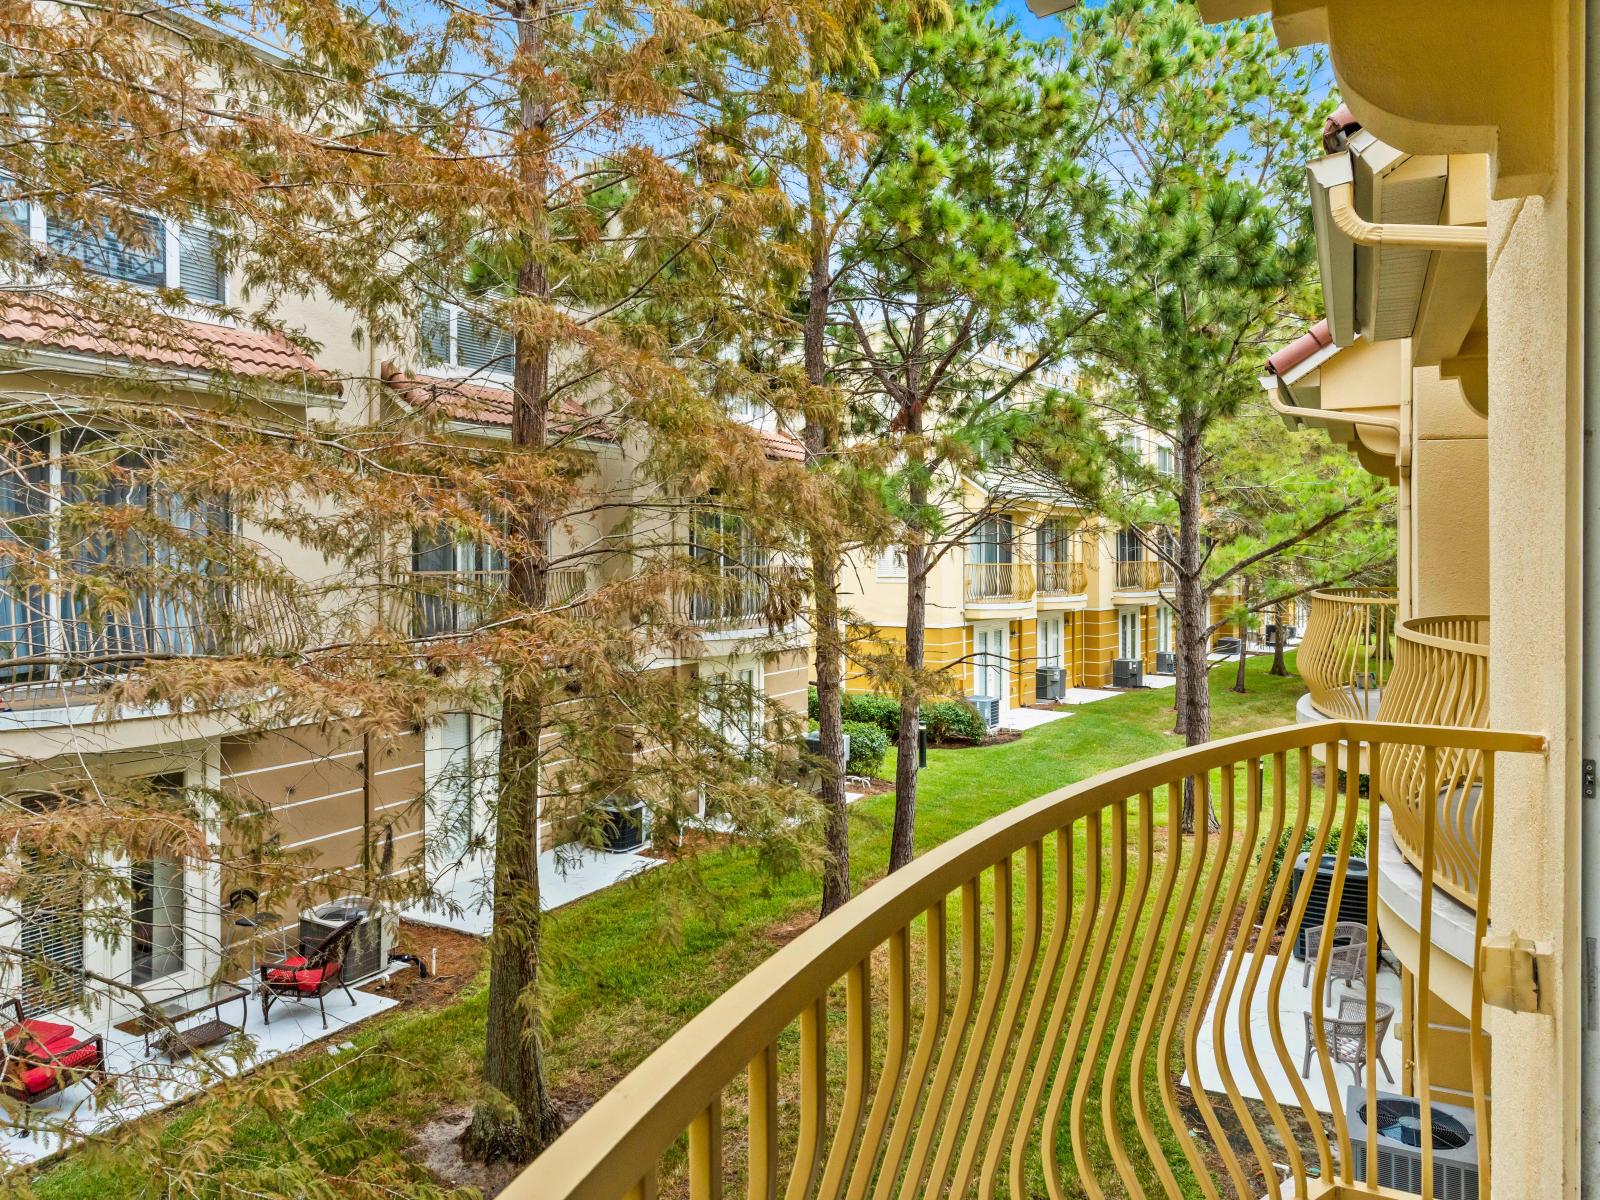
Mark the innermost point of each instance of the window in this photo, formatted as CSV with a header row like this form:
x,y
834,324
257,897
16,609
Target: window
x,y
155,253
1130,546
457,338
1164,627
892,563
141,259
990,662
733,705
1164,464
1054,540
723,546
157,920
990,541
48,902
180,614
452,581
460,765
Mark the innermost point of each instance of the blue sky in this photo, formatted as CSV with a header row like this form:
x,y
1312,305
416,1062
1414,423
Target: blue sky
x,y
1033,26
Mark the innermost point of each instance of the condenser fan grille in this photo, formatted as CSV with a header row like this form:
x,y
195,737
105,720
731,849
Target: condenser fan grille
x,y
1401,1121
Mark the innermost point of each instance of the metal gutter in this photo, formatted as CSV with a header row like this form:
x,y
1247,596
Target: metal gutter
x,y
1341,207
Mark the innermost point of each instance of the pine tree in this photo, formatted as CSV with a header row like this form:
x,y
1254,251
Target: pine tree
x,y
958,284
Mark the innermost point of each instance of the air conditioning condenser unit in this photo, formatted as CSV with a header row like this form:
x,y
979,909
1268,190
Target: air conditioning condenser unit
x,y
1051,683
1127,672
368,952
1398,1124
1166,662
988,708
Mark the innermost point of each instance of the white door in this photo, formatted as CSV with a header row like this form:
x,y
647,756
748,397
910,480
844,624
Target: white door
x,y
990,662
1164,629
1128,633
1050,642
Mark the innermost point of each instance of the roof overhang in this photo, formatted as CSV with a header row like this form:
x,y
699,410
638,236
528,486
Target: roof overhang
x,y
1388,291
1354,394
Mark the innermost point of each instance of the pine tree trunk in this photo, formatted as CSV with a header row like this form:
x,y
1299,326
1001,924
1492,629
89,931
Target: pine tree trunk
x,y
1238,678
829,657
515,1116
903,847
1194,617
1279,667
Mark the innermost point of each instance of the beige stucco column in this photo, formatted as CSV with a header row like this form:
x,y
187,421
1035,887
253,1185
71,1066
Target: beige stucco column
x,y
1535,468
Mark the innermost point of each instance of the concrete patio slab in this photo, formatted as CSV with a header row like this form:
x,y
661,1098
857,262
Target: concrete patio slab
x,y
465,891
1293,1000
140,1083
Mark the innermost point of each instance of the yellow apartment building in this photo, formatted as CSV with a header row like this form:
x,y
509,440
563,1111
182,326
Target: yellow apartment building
x,y
1187,1018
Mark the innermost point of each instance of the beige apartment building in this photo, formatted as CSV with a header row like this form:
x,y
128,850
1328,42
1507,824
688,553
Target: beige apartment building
x,y
332,795
1191,1017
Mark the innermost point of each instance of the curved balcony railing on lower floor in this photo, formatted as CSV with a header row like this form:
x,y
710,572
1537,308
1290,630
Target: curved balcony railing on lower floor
x,y
1441,677
1058,578
1347,651
1072,998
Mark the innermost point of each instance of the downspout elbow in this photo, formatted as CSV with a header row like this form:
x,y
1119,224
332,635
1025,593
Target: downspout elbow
x,y
1341,207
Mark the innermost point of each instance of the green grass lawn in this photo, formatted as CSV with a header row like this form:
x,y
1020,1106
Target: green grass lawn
x,y
627,967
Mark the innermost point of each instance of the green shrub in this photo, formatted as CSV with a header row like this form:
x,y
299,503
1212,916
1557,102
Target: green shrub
x,y
953,721
882,711
868,745
811,702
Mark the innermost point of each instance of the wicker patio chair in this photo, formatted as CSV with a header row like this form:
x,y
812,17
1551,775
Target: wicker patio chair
x,y
1347,1036
1346,960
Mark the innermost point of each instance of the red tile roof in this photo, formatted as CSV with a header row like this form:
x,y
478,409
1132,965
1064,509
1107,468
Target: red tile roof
x,y
188,345
488,404
478,403
1303,347
781,445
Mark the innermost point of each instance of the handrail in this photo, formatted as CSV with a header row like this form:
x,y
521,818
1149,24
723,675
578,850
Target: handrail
x,y
1346,653
1126,956
999,582
1441,677
459,601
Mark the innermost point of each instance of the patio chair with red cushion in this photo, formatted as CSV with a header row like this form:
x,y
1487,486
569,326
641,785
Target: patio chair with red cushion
x,y
310,974
45,1057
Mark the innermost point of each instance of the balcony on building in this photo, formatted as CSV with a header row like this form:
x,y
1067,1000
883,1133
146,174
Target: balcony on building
x,y
989,1021
1061,580
1346,653
996,577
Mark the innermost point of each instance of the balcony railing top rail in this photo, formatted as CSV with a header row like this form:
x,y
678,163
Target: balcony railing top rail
x,y
1050,1063
1000,582
1347,650
1441,677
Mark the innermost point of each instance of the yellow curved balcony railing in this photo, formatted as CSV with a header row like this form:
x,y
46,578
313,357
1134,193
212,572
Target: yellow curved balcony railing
x,y
999,583
1074,998
1062,578
1347,651
1441,677
1140,575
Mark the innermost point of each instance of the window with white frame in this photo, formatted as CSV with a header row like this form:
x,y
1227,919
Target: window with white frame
x,y
1164,628
454,337
453,581
1164,462
733,703
892,563
147,251
460,766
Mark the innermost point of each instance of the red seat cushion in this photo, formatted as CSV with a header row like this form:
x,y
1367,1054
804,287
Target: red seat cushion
x,y
63,1053
294,972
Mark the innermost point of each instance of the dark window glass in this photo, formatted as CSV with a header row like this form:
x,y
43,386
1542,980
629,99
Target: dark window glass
x,y
102,251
